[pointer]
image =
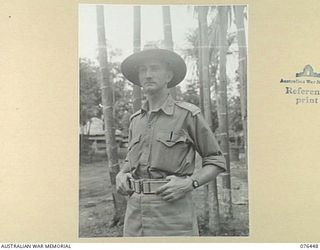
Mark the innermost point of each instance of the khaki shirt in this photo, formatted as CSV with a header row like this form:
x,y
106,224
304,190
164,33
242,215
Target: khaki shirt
x,y
164,142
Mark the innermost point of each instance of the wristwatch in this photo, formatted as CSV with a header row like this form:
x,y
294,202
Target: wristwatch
x,y
195,183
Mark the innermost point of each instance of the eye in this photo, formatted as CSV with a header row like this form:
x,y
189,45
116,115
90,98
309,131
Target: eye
x,y
142,69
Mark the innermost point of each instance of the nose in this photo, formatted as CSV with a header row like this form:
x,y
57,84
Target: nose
x,y
148,73
145,74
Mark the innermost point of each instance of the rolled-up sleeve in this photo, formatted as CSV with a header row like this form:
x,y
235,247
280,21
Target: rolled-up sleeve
x,y
205,142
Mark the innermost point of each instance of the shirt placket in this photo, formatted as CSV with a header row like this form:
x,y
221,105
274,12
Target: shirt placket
x,y
146,153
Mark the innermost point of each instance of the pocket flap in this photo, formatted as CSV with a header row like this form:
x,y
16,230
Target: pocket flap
x,y
171,138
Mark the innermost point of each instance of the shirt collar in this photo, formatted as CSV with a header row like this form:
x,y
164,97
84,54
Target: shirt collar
x,y
167,107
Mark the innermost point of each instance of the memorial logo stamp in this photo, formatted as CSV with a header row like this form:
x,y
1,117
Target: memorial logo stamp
x,y
305,87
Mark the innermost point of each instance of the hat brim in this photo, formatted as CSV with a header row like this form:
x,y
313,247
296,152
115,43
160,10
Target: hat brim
x,y
129,66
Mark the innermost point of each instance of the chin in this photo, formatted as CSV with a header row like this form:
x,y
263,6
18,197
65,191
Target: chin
x,y
149,89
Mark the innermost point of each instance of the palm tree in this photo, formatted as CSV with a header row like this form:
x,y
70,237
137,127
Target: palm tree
x,y
199,65
223,110
204,56
136,48
167,33
107,102
212,199
239,16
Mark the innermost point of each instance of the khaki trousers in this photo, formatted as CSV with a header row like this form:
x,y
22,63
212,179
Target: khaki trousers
x,y
150,215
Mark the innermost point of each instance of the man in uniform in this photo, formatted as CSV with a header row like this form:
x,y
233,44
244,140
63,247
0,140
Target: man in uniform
x,y
164,134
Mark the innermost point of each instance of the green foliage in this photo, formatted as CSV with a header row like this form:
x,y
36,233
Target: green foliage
x,y
191,94
235,122
120,85
122,97
90,92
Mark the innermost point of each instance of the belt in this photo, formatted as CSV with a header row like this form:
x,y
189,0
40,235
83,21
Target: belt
x,y
146,186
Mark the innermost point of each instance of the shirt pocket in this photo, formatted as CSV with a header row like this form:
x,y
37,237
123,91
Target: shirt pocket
x,y
171,139
169,151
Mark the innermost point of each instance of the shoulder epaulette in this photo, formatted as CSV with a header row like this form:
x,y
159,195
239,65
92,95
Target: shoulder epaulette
x,y
190,107
135,114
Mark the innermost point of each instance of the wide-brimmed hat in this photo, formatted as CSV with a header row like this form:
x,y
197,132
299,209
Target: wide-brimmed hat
x,y
130,70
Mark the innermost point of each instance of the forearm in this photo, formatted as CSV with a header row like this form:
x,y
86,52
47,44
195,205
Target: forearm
x,y
206,174
178,187
122,179
125,167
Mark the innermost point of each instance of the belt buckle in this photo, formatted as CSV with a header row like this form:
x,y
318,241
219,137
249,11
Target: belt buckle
x,y
146,187
137,186
142,186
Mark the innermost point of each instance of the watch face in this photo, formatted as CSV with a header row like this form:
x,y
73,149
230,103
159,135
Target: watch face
x,y
195,184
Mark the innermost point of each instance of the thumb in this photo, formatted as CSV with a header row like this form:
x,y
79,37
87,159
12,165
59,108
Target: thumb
x,y
170,177
129,175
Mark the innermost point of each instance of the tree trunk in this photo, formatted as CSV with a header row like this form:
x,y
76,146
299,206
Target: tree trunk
x,y
214,222
167,33
206,187
107,102
241,36
199,64
226,204
204,51
136,48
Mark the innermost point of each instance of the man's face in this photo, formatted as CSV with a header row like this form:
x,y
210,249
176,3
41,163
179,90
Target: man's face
x,y
154,76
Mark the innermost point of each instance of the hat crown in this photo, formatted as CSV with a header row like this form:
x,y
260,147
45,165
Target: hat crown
x,y
150,45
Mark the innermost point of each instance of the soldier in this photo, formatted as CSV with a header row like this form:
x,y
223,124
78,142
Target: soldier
x,y
158,174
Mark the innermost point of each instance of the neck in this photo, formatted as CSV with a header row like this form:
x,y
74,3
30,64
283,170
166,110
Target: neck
x,y
156,100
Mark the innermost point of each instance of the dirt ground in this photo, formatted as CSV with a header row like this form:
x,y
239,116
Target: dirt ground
x,y
95,204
